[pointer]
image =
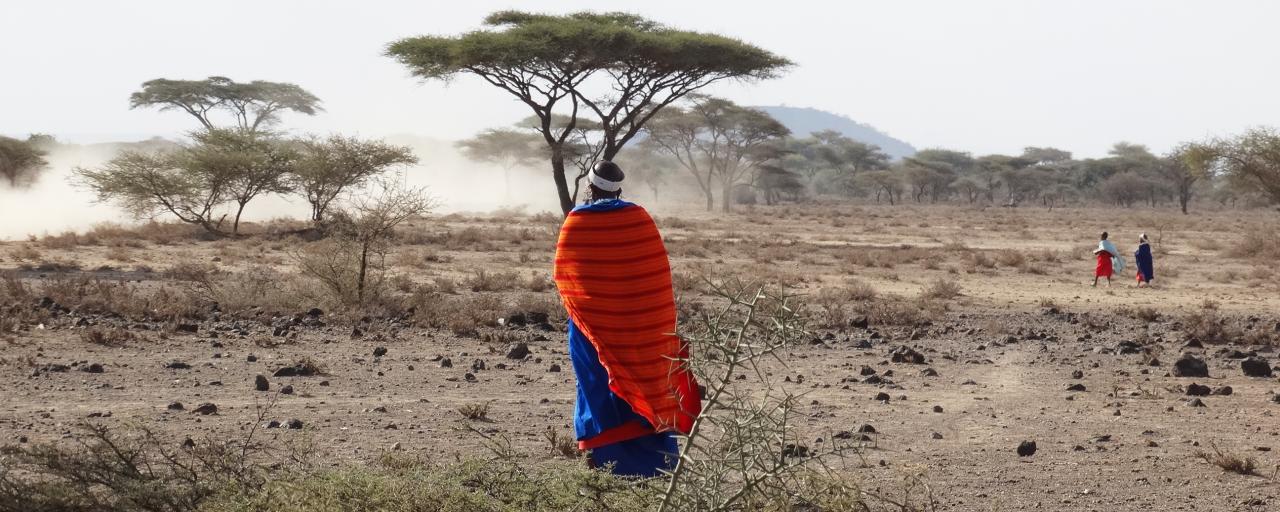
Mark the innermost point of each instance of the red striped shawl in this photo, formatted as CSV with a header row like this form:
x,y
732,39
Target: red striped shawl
x,y
615,280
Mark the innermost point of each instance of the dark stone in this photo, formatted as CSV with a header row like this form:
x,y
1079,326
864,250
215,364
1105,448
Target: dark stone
x,y
555,368
206,409
1077,374
356,332
176,406
286,390
188,328
937,408
867,370
273,424
866,429
1195,402
1255,367
861,322
795,450
446,363
315,312
261,383
518,351
882,397
874,379
1076,387
294,424
177,365
929,372
1224,391
251,358
1026,448
1190,366
379,351
1194,389
904,354
469,377
93,368
1193,343
297,370
478,365
1128,347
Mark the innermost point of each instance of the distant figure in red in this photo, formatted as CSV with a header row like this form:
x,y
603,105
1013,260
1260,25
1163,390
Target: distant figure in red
x,y
1107,255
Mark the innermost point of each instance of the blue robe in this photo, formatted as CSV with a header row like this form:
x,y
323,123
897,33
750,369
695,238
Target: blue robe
x,y
1146,266
597,408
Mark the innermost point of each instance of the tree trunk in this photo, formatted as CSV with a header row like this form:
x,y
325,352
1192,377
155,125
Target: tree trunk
x,y
235,226
364,265
727,198
562,184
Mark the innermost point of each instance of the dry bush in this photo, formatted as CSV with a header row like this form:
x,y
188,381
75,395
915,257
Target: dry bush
x,y
1146,314
1011,259
461,314
980,260
941,289
1263,245
561,445
476,412
106,336
1208,326
1229,461
483,280
25,253
106,471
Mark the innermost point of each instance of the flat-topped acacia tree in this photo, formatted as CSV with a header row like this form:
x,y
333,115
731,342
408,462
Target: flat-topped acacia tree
x,y
616,69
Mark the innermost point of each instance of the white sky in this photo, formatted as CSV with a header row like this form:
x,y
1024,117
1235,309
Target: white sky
x,y
981,76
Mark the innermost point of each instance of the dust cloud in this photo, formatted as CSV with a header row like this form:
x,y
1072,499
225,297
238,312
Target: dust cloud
x,y
55,204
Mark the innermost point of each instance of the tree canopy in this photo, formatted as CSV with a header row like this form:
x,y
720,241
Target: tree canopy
x,y
21,161
620,69
254,105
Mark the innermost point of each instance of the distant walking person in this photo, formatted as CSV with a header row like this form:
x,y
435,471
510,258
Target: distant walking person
x,y
1109,261
1146,266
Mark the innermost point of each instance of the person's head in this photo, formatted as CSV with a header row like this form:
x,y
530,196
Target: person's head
x,y
1104,235
605,180
1142,239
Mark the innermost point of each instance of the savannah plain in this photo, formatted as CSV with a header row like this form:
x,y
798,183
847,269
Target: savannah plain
x,y
143,326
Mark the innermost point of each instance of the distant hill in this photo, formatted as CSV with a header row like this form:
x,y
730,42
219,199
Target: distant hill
x,y
804,121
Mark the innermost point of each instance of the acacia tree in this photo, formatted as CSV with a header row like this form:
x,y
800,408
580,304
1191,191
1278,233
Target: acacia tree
x,y
715,138
327,167
21,161
254,105
1253,157
885,183
251,164
149,184
506,147
619,69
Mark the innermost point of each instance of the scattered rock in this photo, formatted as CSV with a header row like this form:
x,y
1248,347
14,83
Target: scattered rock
x,y
1190,366
1255,367
937,408
882,397
937,435
1197,391
904,354
867,429
1195,402
446,363
1026,448
261,383
294,424
379,351
555,368
206,409
93,368
297,370
286,390
1076,387
518,351
1077,374
867,370
177,365
929,372
1223,391
176,406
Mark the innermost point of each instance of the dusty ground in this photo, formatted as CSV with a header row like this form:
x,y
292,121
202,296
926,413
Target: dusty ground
x,y
1004,350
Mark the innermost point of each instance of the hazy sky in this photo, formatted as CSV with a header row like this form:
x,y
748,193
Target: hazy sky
x,y
982,76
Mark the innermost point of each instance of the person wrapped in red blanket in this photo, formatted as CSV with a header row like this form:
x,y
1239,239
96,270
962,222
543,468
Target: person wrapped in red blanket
x,y
613,275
